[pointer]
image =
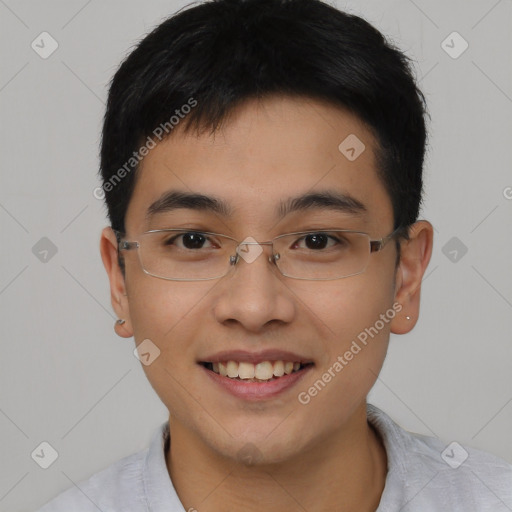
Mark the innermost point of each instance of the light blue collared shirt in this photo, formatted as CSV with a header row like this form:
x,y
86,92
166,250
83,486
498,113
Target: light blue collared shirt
x,y
424,475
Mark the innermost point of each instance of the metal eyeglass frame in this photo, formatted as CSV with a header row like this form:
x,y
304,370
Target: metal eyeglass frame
x,y
375,246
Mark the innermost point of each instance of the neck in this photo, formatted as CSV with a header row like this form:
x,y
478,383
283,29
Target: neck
x,y
345,471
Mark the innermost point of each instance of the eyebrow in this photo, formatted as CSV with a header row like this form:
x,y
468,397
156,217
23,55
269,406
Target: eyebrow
x,y
174,200
326,199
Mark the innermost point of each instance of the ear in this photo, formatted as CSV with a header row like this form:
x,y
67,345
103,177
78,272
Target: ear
x,y
118,295
415,255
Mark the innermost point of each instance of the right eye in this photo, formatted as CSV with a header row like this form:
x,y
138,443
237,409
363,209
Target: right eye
x,y
190,240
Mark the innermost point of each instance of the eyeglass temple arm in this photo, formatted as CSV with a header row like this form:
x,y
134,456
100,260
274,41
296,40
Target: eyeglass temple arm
x,y
123,245
377,245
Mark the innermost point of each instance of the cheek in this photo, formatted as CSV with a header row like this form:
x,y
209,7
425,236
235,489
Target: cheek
x,y
347,306
354,318
158,306
354,346
165,312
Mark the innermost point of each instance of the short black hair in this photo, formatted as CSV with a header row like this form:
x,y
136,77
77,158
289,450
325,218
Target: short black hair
x,y
195,67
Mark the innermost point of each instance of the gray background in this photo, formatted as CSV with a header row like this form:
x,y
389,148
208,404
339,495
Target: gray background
x,y
67,379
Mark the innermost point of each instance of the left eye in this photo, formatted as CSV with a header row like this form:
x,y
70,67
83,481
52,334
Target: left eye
x,y
317,241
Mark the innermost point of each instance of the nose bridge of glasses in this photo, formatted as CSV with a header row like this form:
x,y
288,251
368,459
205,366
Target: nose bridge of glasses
x,y
253,243
249,250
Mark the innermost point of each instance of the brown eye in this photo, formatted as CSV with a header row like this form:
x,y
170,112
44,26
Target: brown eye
x,y
316,241
191,240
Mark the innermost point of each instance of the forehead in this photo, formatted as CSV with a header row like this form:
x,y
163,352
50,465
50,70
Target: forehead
x,y
265,153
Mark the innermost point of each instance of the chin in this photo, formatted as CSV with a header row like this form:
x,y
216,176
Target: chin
x,y
260,447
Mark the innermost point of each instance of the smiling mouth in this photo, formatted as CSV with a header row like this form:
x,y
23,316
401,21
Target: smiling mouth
x,y
265,371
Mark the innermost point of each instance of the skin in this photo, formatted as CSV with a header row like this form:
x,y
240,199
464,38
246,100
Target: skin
x,y
315,457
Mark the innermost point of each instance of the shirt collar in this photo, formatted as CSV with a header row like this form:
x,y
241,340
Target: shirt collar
x,y
161,495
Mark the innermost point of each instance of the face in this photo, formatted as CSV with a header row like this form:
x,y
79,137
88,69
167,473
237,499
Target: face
x,y
266,154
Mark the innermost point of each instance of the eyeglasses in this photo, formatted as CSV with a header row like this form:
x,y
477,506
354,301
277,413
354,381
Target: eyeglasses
x,y
192,255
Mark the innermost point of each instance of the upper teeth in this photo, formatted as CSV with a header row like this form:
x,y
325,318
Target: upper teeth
x,y
261,371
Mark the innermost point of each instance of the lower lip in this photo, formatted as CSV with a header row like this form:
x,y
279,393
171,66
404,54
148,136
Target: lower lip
x,y
257,390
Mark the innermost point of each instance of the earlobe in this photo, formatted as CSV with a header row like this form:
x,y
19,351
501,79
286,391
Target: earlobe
x,y
118,295
415,256
122,329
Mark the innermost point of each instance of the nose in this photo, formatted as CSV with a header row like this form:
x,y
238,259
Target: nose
x,y
253,294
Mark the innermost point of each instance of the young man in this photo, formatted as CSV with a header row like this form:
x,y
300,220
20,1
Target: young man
x,y
262,168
